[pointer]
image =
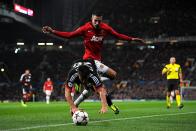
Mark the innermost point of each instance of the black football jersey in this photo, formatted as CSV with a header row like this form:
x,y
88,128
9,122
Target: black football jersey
x,y
25,79
73,76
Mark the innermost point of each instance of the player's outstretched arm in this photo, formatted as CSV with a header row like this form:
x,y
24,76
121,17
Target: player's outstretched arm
x,y
139,40
69,100
102,93
122,36
77,32
47,29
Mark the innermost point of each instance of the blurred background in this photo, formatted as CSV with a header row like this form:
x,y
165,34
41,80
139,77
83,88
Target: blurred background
x,y
168,26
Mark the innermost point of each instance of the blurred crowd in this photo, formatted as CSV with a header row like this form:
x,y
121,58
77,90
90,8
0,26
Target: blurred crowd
x,y
150,19
138,67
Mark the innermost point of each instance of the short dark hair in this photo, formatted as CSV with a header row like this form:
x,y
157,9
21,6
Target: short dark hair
x,y
97,13
84,71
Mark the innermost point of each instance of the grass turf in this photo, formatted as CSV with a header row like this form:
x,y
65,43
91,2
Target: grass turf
x,y
136,116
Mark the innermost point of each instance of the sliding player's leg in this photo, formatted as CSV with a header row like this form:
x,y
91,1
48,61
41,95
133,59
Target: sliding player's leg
x,y
107,83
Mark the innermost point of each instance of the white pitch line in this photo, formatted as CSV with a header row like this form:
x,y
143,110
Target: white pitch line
x,y
118,119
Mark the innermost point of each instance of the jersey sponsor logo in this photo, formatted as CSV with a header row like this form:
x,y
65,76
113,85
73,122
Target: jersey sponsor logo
x,y
97,38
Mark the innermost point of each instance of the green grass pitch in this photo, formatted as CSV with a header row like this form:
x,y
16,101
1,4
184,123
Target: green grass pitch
x,y
134,116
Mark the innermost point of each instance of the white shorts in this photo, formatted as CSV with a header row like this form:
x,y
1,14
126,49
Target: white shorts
x,y
48,92
101,68
104,78
172,93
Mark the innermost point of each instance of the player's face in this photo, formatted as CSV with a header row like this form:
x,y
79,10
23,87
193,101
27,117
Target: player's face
x,y
48,79
27,71
96,20
172,60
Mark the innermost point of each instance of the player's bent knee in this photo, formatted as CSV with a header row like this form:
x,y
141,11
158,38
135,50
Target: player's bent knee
x,y
112,74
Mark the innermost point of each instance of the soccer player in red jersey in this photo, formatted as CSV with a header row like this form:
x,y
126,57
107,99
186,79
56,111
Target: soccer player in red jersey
x,y
94,33
48,89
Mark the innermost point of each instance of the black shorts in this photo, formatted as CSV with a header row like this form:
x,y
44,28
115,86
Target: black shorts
x,y
108,85
26,89
172,84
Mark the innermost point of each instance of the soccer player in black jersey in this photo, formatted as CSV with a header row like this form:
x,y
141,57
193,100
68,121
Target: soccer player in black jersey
x,y
25,81
84,72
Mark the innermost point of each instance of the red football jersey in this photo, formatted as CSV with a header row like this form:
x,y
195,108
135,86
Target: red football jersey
x,y
93,38
48,85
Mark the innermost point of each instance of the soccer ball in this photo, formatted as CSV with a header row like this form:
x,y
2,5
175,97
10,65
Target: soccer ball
x,y
80,118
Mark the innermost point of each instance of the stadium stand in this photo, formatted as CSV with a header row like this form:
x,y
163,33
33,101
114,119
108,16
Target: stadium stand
x,y
138,66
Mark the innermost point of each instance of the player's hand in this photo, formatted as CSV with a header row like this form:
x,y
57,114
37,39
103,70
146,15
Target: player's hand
x,y
181,81
103,110
139,40
47,29
74,109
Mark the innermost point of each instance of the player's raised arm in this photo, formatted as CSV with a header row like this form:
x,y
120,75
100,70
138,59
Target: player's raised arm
x,y
122,36
77,32
69,99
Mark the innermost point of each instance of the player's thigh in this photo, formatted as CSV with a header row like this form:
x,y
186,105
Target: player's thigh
x,y
173,85
176,86
48,92
111,72
170,86
101,67
104,69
